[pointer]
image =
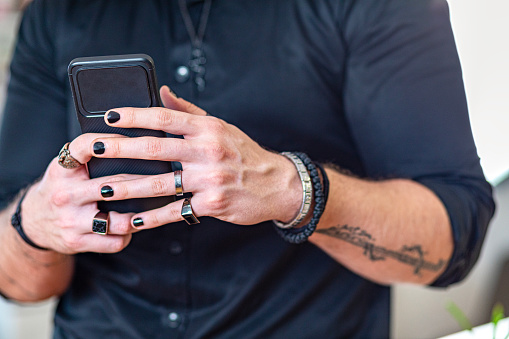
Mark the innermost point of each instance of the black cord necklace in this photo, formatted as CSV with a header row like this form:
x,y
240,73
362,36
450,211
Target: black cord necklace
x,y
198,60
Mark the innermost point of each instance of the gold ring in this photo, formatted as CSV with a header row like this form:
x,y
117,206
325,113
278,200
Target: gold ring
x,y
179,190
101,223
66,160
187,213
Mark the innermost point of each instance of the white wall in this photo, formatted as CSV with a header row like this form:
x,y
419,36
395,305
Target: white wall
x,y
481,29
32,321
420,312
26,322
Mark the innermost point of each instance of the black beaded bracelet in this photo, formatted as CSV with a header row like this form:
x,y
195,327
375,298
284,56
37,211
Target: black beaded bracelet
x,y
16,223
301,234
325,181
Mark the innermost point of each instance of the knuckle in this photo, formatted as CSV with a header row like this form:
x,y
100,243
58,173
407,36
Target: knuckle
x,y
159,186
118,177
121,191
60,197
216,126
175,214
216,203
154,220
52,170
217,151
72,241
189,107
116,244
153,147
65,223
115,148
130,117
123,227
218,178
164,118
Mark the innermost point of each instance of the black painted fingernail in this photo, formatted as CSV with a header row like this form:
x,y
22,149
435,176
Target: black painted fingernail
x,y
113,117
107,192
99,148
138,222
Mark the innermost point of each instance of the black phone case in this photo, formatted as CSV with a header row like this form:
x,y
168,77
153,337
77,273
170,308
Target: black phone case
x,y
101,83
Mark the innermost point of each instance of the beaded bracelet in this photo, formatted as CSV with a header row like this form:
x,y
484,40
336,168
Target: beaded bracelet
x,y
16,223
301,234
325,181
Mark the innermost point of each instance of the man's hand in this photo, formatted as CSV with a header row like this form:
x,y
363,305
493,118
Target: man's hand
x,y
231,177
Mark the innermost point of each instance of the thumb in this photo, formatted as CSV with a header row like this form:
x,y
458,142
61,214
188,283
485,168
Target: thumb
x,y
171,101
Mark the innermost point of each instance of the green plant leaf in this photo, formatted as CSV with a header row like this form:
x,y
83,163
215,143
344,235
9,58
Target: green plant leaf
x,y
497,313
460,317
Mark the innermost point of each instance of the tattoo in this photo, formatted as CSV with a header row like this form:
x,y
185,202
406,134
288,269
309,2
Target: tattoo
x,y
11,281
63,258
411,255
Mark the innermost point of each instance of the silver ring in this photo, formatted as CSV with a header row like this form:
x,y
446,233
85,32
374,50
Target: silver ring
x,y
187,213
66,160
179,190
101,223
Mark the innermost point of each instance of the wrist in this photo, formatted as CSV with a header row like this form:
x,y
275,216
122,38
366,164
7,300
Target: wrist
x,y
309,172
289,189
17,222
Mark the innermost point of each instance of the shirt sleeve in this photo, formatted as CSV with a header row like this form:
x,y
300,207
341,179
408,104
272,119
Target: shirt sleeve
x,y
34,125
407,113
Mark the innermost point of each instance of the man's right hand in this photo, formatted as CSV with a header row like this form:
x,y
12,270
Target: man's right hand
x,y
58,210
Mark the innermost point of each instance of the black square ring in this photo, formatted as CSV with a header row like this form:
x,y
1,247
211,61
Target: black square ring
x,y
100,223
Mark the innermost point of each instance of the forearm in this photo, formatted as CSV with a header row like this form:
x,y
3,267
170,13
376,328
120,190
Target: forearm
x,y
387,231
28,274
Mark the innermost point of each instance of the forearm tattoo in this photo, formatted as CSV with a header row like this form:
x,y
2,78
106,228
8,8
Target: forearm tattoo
x,y
11,281
411,255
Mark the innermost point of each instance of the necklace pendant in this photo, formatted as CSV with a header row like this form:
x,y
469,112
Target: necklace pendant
x,y
197,66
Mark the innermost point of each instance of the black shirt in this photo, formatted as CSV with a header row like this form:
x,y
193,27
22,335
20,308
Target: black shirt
x,y
373,86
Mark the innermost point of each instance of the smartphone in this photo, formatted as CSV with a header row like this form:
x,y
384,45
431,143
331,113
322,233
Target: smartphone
x,y
105,82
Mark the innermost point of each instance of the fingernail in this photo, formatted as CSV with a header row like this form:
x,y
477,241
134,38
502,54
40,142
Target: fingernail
x,y
113,117
173,93
99,148
137,222
107,192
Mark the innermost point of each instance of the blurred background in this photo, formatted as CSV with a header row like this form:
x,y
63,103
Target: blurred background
x,y
481,30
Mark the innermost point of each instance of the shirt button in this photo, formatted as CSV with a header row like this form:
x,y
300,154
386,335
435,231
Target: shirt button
x,y
174,320
182,74
175,248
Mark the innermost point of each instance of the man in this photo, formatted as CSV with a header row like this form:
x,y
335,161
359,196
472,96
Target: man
x,y
371,89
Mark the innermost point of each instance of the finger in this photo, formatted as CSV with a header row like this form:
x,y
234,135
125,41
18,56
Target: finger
x,y
161,216
80,150
144,187
156,118
80,147
146,148
118,234
120,223
81,192
104,243
171,101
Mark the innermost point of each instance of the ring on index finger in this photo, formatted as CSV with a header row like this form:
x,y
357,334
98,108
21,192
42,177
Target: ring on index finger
x,y
66,160
179,190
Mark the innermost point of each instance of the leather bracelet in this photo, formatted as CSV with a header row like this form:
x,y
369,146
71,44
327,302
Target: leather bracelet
x,y
301,234
16,223
307,191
